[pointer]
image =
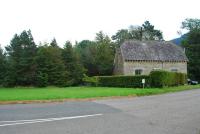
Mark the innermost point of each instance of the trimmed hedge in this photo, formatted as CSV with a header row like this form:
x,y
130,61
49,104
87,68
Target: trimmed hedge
x,y
164,78
117,81
155,79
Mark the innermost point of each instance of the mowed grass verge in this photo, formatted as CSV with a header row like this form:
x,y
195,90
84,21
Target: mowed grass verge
x,y
54,93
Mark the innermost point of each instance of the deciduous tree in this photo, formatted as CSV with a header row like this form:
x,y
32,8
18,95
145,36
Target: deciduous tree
x,y
192,46
87,52
105,54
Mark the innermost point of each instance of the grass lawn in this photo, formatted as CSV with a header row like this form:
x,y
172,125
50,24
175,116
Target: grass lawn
x,y
54,93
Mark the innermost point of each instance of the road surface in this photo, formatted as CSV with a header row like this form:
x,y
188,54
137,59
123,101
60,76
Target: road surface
x,y
175,113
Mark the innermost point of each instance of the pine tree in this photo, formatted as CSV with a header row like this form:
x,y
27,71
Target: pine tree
x,y
50,67
54,43
22,51
72,65
2,66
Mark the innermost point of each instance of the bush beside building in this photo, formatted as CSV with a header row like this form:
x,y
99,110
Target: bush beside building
x,y
155,79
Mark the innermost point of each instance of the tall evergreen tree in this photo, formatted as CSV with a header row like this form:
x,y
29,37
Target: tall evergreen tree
x,y
2,66
54,43
72,64
50,67
21,52
150,33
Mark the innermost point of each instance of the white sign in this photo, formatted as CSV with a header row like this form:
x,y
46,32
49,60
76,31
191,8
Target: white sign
x,y
143,81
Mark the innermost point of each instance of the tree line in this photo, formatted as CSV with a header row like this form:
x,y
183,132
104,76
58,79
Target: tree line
x,y
25,63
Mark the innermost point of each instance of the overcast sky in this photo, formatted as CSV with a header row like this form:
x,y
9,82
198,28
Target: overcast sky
x,y
81,19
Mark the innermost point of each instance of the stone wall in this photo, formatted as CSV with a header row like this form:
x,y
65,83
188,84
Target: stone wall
x,y
147,66
118,63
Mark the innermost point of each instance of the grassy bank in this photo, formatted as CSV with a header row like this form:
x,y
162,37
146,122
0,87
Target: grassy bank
x,y
51,93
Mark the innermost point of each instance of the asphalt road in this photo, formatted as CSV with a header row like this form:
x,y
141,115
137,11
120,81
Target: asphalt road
x,y
176,113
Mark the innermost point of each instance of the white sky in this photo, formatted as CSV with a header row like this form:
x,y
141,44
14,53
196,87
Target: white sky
x,y
81,19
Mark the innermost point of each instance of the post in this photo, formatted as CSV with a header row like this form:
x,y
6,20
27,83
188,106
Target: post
x,y
143,83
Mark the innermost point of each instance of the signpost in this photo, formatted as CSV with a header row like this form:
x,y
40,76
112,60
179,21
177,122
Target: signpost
x,y
143,83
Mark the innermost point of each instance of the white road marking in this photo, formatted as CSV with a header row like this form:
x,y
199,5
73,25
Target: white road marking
x,y
20,122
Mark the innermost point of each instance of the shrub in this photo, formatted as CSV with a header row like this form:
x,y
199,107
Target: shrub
x,y
92,81
164,78
155,79
9,81
41,79
117,81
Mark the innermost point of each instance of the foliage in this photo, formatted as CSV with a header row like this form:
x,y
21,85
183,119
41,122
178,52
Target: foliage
x,y
87,51
50,66
193,54
118,81
90,81
9,80
149,33
41,79
164,78
122,81
105,54
21,52
54,43
121,36
191,24
97,56
72,64
155,79
144,32
25,64
192,46
2,66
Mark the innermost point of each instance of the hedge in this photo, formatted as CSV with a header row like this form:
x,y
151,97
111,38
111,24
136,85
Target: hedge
x,y
166,79
117,81
155,79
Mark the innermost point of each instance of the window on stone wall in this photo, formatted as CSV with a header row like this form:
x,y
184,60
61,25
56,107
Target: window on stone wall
x,y
138,71
174,70
154,69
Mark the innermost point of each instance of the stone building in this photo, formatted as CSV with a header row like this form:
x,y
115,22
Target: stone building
x,y
141,57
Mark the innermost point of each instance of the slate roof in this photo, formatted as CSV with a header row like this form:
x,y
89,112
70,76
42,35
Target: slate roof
x,y
152,51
